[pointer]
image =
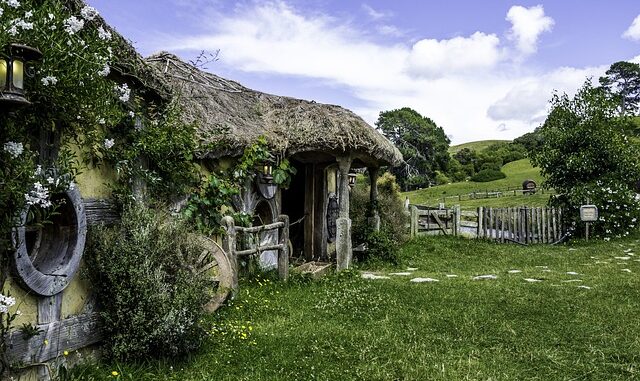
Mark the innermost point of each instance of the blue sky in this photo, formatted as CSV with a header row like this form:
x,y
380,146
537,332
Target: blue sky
x,y
480,69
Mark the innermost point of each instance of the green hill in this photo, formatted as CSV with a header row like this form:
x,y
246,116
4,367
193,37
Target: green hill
x,y
516,172
477,146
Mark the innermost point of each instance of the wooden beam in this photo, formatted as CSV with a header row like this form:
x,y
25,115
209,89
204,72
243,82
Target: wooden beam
x,y
56,337
309,212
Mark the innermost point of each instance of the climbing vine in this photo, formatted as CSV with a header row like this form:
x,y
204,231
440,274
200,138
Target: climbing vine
x,y
215,195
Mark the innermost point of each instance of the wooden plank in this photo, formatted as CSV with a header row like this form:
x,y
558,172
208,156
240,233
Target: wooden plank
x,y
49,308
442,226
56,337
256,250
544,225
560,224
538,225
555,226
309,221
414,221
320,213
100,211
479,230
502,216
521,223
457,220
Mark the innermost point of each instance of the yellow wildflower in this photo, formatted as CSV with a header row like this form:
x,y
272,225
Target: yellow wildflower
x,y
66,353
114,373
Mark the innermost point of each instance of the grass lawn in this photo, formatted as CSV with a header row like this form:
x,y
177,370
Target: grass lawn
x,y
516,171
475,146
566,326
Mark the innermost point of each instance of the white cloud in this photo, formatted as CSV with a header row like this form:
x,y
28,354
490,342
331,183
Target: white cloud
x,y
527,24
633,32
437,57
465,84
375,14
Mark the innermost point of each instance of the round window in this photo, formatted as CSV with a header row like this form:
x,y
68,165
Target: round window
x,y
48,253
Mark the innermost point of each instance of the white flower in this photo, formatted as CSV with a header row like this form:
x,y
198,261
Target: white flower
x,y
49,80
132,114
1,11
39,195
104,34
51,16
28,14
50,180
73,24
3,309
14,149
72,185
38,171
124,92
105,70
13,3
89,13
13,30
102,121
108,143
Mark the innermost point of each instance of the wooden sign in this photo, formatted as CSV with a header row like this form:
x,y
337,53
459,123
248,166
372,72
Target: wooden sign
x,y
589,213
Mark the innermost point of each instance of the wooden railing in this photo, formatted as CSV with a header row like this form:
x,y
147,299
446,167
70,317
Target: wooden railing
x,y
433,221
230,244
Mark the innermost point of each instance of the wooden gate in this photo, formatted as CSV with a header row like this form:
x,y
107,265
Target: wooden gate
x,y
434,221
521,225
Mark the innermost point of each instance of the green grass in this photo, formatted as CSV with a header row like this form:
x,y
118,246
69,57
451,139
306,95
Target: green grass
x,y
476,146
516,171
348,328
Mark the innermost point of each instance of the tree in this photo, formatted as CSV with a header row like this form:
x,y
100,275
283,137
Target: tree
x,y
586,156
622,80
423,144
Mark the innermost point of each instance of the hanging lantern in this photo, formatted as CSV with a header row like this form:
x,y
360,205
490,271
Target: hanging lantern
x,y
13,72
352,179
266,173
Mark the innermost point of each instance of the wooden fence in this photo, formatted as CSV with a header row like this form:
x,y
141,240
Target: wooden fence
x,y
434,221
251,237
522,224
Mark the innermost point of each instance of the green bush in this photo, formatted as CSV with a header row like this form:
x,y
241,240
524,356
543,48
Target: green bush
x,y
393,219
150,303
488,175
441,178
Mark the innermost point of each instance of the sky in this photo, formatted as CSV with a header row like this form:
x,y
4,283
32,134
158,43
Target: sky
x,y
479,69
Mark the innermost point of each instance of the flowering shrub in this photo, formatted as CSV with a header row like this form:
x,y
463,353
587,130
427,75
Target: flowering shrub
x,y
587,157
151,303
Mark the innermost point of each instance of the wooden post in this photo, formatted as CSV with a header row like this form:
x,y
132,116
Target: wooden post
x,y
555,233
456,225
544,225
49,311
343,225
320,196
229,246
283,257
414,221
309,212
479,228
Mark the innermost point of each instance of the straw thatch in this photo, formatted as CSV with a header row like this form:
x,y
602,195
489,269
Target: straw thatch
x,y
230,117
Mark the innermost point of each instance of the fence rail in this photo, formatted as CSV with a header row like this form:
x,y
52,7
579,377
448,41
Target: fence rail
x,y
251,235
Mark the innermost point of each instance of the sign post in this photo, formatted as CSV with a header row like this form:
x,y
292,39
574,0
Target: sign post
x,y
588,214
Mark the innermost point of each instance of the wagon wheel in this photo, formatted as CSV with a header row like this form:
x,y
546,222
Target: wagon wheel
x,y
213,261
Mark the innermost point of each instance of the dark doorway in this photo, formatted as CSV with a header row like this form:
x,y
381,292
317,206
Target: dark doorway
x,y
293,206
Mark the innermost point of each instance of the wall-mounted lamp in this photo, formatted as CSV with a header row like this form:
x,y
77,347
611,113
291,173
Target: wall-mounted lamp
x,y
12,74
352,179
266,172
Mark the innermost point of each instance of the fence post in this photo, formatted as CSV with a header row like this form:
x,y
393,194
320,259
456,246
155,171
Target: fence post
x,y
283,256
456,224
480,215
229,246
414,221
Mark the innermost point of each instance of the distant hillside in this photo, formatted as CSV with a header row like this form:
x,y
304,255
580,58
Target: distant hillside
x,y
477,146
516,171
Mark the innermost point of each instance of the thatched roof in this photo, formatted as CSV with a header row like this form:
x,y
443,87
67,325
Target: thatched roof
x,y
127,62
230,117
